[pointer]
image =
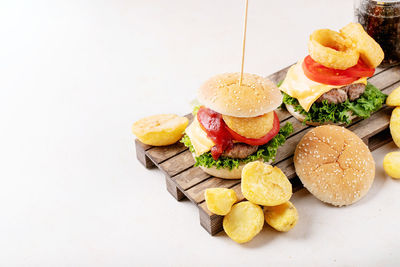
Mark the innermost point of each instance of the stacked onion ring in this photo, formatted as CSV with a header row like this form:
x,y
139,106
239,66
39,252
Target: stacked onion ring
x,y
342,50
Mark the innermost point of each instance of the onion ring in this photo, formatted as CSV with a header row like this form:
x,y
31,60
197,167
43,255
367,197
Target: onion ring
x,y
370,51
332,50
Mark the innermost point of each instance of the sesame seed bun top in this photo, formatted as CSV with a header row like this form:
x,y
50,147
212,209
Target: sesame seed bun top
x,y
256,96
334,164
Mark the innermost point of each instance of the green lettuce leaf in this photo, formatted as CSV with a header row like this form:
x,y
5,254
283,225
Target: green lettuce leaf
x,y
370,101
266,152
195,110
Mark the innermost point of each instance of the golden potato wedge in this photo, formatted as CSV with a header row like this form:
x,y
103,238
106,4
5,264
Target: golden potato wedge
x,y
394,98
265,185
391,164
160,130
282,217
395,126
243,222
255,127
220,200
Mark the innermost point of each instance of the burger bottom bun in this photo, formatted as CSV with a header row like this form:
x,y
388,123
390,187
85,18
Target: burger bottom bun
x,y
301,117
226,173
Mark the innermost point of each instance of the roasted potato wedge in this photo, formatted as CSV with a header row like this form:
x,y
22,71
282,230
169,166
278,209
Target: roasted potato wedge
x,y
220,200
391,164
243,222
265,185
394,98
160,130
282,217
395,126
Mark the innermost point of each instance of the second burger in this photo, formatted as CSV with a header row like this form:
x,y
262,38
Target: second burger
x,y
236,124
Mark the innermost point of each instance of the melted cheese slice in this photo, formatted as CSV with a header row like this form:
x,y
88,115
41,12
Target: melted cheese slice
x,y
306,91
201,143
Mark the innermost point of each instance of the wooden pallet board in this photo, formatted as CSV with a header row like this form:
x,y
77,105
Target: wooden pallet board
x,y
183,180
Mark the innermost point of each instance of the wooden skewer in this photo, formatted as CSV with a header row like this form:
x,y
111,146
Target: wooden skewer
x,y
244,41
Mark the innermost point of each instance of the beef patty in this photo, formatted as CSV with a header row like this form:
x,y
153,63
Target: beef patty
x,y
240,151
340,95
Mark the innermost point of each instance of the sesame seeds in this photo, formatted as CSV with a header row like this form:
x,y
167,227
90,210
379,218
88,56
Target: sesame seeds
x,y
334,168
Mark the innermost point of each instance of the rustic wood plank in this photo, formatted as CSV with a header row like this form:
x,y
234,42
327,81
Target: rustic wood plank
x,y
142,145
386,78
287,168
297,126
375,124
282,114
178,163
380,139
212,223
161,153
379,70
190,177
172,189
141,154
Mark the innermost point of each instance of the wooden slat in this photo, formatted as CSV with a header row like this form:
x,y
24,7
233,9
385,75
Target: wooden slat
x,y
142,146
212,223
162,153
287,150
190,177
380,69
141,154
380,139
391,88
287,168
172,189
375,124
177,164
386,78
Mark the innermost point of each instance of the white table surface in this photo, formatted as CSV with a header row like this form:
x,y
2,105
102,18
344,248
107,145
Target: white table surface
x,y
76,74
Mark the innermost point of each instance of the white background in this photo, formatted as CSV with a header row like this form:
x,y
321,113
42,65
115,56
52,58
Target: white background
x,y
74,77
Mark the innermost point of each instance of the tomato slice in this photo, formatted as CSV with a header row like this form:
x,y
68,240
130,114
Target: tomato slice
x,y
359,70
261,141
319,73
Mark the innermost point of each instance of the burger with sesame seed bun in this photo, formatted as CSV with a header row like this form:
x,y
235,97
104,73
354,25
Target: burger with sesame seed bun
x,y
235,124
335,165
